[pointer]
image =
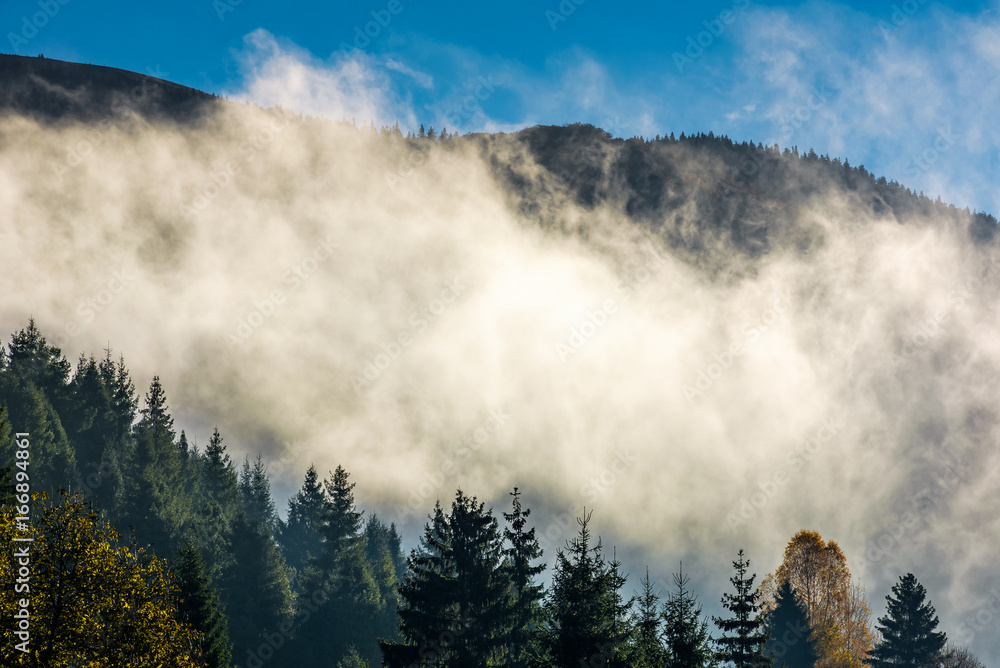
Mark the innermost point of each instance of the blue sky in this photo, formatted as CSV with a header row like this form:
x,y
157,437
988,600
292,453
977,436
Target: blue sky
x,y
909,89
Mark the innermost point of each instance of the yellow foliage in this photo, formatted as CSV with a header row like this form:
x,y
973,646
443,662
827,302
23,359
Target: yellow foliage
x,y
93,602
837,608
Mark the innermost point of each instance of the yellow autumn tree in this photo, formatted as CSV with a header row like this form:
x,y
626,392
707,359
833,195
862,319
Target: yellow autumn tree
x,y
93,603
836,606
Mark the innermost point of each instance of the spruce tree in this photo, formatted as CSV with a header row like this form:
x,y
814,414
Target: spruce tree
x,y
255,585
743,638
386,562
618,610
218,507
301,534
343,579
526,595
908,638
454,607
255,490
6,469
427,618
33,360
790,642
53,462
583,606
200,608
481,585
154,502
647,648
684,630
88,419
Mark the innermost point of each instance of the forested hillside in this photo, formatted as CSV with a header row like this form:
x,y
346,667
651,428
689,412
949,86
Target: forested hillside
x,y
208,574
668,325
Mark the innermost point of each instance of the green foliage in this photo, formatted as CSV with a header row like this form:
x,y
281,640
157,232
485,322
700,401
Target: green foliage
x,y
790,640
255,490
353,660
526,594
301,534
647,650
199,607
153,504
685,631
743,637
255,585
907,631
93,602
346,580
53,462
455,593
586,614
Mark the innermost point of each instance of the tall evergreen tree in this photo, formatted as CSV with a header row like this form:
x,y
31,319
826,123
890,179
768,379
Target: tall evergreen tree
x,y
583,604
387,564
255,587
255,490
219,506
684,630
342,520
743,638
647,648
427,618
343,579
908,638
33,360
526,594
455,593
790,640
481,583
155,506
301,534
88,419
199,608
7,466
53,462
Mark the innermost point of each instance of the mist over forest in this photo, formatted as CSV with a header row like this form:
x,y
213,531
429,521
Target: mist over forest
x,y
711,344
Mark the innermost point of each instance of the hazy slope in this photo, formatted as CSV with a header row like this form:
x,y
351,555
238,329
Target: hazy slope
x,y
711,355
